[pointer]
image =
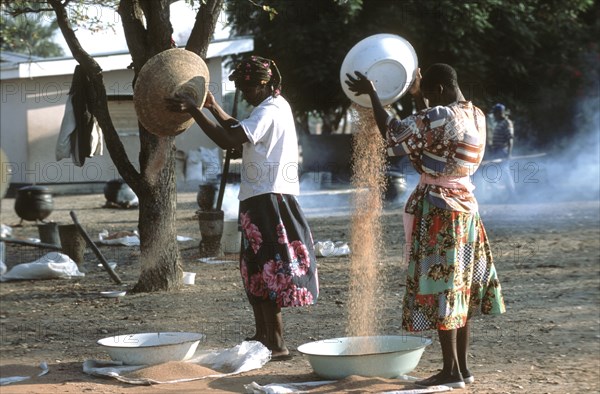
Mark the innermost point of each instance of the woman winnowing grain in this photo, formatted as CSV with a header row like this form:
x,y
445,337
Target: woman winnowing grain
x,y
451,275
277,261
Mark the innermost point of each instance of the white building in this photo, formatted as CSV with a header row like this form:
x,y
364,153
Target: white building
x,y
34,92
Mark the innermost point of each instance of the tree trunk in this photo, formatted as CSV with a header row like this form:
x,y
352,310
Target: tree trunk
x,y
148,31
156,185
160,258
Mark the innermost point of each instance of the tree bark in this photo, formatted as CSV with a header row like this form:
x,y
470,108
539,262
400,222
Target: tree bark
x,y
159,254
132,18
160,259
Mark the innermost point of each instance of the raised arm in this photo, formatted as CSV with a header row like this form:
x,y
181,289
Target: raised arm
x,y
362,85
225,120
227,134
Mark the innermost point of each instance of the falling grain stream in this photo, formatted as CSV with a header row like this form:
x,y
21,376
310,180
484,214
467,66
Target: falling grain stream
x,y
369,163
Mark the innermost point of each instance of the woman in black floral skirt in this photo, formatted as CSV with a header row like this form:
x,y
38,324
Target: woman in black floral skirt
x,y
277,262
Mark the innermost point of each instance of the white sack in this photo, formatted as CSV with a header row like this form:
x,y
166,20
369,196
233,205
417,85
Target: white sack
x,y
53,265
193,166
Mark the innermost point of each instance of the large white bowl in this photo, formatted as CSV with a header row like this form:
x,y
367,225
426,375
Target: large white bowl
x,y
151,348
377,356
388,60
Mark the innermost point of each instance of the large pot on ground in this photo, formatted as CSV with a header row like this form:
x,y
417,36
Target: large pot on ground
x,y
34,203
211,230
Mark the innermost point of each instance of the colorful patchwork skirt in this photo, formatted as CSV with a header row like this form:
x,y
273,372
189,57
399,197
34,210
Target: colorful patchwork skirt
x,y
277,261
451,274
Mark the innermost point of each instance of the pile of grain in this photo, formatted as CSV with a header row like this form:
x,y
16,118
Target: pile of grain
x,y
369,163
172,370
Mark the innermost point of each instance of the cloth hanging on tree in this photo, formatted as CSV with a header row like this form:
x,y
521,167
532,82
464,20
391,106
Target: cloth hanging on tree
x,y
79,136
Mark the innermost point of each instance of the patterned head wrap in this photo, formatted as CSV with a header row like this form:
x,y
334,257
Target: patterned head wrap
x,y
257,70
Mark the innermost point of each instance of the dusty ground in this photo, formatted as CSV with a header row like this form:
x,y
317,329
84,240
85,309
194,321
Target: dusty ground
x,y
547,255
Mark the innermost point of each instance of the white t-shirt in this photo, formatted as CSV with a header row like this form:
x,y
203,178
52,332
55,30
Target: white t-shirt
x,y
270,159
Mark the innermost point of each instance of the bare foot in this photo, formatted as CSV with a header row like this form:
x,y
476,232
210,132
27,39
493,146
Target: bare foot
x,y
280,354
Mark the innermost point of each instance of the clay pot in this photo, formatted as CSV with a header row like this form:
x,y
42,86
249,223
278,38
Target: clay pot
x,y
72,242
34,203
49,233
211,230
206,196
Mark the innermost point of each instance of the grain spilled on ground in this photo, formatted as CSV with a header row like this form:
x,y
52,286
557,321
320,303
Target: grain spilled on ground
x,y
369,163
172,370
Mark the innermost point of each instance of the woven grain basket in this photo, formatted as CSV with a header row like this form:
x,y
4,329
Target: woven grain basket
x,y
170,71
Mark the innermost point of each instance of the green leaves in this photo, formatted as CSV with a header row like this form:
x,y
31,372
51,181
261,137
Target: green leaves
x,y
503,50
28,27
270,10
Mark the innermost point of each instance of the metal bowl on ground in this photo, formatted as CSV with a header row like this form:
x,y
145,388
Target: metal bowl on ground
x,y
377,356
152,348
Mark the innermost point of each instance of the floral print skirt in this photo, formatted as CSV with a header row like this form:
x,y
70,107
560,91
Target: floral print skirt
x,y
451,274
277,261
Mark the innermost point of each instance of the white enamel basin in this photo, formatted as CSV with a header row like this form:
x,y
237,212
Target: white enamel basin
x,y
380,356
151,348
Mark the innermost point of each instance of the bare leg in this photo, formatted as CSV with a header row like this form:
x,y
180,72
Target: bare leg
x,y
450,375
449,352
259,321
462,348
274,329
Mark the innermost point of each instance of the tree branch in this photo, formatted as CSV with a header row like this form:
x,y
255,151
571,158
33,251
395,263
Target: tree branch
x,y
206,20
27,10
14,12
94,72
144,41
158,25
135,33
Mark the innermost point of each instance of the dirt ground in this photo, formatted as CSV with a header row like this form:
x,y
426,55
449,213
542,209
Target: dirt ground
x,y
547,255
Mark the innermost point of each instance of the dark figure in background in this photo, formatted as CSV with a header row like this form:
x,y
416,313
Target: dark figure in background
x,y
277,261
503,134
501,150
451,275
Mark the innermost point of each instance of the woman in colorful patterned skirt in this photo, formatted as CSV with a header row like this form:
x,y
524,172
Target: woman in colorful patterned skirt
x,y
277,261
451,275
